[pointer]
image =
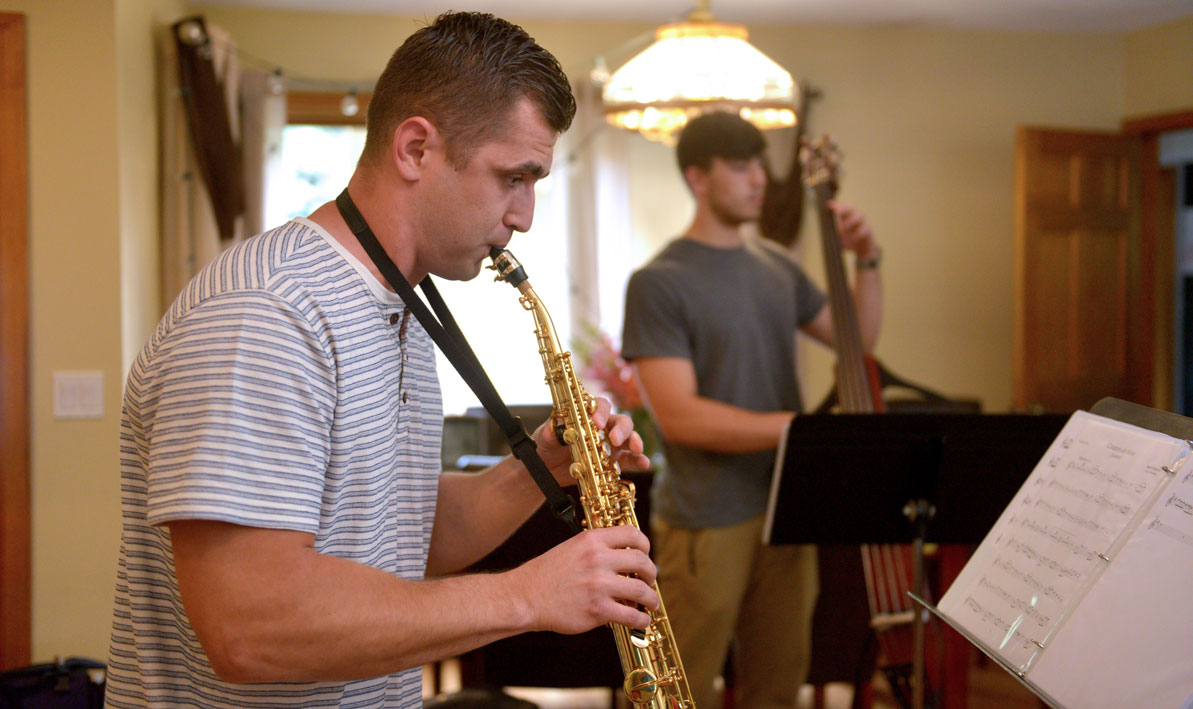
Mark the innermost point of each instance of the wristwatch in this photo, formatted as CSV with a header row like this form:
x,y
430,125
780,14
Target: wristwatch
x,y
865,264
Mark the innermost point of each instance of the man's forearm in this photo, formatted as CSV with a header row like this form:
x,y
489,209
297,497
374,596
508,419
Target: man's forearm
x,y
289,614
714,426
477,511
867,294
267,607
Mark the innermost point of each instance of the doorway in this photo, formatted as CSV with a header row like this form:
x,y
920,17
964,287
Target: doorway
x,y
1176,153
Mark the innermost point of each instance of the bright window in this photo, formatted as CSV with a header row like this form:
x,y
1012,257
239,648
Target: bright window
x,y
315,165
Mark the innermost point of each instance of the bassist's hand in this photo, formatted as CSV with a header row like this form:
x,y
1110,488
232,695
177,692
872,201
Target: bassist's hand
x,y
855,232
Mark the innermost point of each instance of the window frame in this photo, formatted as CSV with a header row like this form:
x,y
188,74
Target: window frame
x,y
322,108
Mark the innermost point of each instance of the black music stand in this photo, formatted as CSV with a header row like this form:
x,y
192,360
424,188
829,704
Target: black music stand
x,y
851,479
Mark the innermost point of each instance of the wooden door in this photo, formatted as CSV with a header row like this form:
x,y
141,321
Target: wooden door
x,y
1077,273
14,348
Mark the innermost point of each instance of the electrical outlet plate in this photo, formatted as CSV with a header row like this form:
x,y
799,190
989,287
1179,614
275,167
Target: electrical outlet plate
x,y
78,395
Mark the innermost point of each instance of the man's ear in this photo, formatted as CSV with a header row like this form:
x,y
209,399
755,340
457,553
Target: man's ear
x,y
413,139
694,175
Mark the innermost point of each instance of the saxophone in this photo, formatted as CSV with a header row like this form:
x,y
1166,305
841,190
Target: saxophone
x,y
654,675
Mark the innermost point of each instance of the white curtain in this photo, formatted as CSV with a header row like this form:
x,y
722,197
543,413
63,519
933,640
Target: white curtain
x,y
597,162
263,118
190,238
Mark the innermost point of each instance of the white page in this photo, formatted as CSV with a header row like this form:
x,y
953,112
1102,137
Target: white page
x,y
1047,547
1130,642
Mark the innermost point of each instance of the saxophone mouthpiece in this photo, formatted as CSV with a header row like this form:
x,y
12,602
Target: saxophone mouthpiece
x,y
507,267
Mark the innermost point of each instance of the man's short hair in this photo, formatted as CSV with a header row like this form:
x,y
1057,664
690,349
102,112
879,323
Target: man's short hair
x,y
717,134
465,73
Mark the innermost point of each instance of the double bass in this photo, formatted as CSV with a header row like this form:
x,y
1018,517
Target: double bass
x,y
860,380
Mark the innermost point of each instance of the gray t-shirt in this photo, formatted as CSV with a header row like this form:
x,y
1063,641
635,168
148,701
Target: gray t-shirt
x,y
734,314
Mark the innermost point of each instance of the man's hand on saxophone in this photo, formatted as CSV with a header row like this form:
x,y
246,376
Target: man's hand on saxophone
x,y
625,444
598,576
601,575
509,494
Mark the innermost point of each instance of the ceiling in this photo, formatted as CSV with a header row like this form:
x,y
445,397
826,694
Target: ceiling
x,y
1031,15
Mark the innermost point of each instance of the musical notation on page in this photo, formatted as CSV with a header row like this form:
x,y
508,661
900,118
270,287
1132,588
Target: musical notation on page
x,y
1173,517
1061,530
1081,587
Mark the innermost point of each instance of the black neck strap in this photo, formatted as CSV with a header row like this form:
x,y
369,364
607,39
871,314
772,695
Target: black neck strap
x,y
447,335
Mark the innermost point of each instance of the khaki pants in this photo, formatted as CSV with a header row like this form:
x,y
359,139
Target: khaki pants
x,y
722,584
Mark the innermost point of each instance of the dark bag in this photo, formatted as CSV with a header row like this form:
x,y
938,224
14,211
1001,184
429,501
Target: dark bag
x,y
73,683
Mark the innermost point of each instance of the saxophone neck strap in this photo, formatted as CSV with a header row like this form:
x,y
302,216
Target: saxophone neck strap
x,y
450,339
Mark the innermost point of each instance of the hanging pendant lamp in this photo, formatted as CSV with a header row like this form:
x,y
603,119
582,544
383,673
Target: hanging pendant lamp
x,y
696,66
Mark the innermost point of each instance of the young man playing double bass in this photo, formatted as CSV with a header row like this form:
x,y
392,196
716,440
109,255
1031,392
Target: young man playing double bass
x,y
710,327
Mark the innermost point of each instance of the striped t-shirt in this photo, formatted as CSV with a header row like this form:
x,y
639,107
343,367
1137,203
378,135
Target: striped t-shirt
x,y
284,389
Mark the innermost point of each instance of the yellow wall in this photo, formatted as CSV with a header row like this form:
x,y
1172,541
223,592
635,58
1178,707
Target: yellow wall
x,y
926,119
926,122
352,47
1158,62
92,179
75,320
136,86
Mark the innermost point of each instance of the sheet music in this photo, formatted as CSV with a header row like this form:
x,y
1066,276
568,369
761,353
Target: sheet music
x,y
1173,516
1062,529
1130,635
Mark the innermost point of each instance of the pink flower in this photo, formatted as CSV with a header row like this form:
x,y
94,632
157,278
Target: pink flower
x,y
604,365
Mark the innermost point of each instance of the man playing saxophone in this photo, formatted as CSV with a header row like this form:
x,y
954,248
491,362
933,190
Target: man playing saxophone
x,y
288,532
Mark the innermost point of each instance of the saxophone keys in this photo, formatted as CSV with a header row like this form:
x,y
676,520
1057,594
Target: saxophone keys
x,y
576,470
640,685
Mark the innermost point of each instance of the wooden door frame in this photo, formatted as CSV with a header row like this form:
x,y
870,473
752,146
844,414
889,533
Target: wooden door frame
x,y
15,591
1154,345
